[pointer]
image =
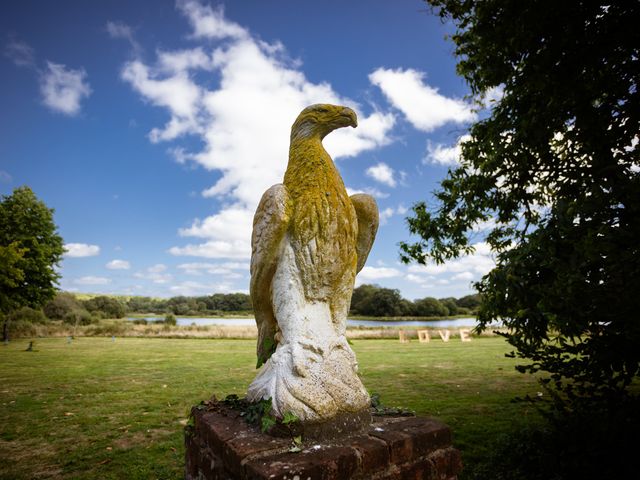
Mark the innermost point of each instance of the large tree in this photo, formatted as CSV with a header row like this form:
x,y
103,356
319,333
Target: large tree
x,y
30,243
555,164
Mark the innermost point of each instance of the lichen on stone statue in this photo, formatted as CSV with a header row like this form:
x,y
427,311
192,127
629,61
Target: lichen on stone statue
x,y
309,240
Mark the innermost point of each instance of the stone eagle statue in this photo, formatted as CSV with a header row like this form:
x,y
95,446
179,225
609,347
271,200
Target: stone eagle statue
x,y
309,240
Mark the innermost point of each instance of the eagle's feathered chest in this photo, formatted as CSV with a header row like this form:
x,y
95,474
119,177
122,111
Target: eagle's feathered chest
x,y
323,226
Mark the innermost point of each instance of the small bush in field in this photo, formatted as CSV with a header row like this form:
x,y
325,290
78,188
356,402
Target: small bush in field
x,y
29,315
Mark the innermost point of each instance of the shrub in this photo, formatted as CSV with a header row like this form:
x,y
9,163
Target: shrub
x,y
107,329
590,444
108,306
21,328
27,314
61,306
430,307
81,317
170,319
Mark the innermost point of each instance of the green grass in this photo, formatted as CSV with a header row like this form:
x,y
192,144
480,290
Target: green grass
x,y
101,409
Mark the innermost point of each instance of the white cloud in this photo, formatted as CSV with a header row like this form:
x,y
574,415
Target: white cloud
x,y
190,288
468,276
225,224
377,273
374,192
208,22
177,92
412,277
389,212
422,105
157,268
385,215
382,173
63,89
90,280
215,249
5,177
182,60
485,225
123,31
118,265
478,263
155,274
226,268
443,155
244,121
81,250
20,53
493,96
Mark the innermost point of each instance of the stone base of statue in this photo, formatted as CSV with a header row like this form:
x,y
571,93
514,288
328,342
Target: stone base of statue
x,y
220,445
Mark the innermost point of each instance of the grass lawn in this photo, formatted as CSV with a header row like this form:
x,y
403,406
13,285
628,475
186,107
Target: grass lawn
x,y
96,408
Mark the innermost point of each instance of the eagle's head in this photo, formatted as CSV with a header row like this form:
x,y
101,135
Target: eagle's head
x,y
321,119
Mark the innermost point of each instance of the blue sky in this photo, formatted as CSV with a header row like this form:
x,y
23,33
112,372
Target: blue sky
x,y
153,128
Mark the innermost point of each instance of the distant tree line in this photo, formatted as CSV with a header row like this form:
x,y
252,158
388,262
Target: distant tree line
x,y
375,301
203,305
367,300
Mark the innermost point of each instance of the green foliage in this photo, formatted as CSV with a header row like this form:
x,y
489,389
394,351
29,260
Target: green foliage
x,y
555,166
260,413
376,301
30,250
205,305
78,317
106,329
269,347
62,305
378,409
255,413
289,418
451,305
26,225
109,307
429,307
20,329
170,319
471,302
11,275
267,422
29,315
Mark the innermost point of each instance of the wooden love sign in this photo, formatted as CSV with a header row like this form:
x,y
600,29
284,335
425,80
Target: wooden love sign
x,y
425,337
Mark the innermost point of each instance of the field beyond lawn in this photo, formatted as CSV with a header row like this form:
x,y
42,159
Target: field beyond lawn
x,y
97,408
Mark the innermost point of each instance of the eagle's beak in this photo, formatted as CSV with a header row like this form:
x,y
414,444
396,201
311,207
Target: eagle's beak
x,y
351,116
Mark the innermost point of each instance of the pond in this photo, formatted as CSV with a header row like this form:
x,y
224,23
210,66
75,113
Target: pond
x,y
243,322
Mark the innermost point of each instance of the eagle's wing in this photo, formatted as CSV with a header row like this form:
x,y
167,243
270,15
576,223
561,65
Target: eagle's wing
x,y
269,226
367,213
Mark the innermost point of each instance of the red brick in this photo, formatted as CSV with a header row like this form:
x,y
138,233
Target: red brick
x,y
221,446
447,462
373,453
326,463
427,434
420,470
215,429
239,448
400,444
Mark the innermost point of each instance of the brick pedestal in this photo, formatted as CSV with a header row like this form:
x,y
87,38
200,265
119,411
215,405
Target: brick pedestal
x,y
221,446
